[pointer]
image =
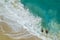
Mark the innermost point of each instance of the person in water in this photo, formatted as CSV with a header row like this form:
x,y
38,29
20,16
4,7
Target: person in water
x,y
48,10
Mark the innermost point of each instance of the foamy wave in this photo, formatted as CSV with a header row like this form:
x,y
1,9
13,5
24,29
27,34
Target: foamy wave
x,y
21,23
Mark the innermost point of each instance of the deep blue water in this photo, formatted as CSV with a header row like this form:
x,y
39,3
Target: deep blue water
x,y
48,10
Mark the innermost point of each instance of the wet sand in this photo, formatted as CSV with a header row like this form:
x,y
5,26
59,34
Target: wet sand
x,y
7,29
4,37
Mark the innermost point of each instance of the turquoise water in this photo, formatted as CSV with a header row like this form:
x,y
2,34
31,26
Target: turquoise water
x,y
48,10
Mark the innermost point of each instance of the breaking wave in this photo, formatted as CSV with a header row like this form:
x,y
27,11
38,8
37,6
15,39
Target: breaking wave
x,y
18,22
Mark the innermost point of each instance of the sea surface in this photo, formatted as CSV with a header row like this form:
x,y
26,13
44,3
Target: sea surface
x,y
30,19
48,11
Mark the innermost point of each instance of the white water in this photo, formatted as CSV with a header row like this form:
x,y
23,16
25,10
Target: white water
x,y
20,20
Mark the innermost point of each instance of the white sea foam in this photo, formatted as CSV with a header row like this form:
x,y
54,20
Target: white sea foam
x,y
20,20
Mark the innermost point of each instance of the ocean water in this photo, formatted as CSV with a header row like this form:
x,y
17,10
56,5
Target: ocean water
x,y
28,18
48,10
16,22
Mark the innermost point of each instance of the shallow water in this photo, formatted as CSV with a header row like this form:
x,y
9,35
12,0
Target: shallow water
x,y
30,19
48,10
